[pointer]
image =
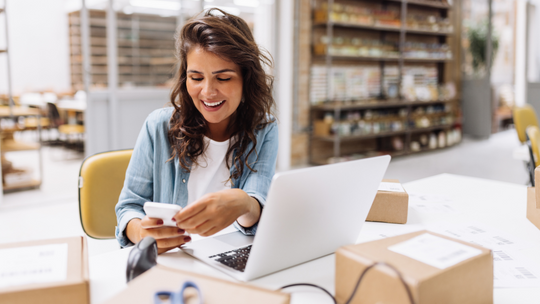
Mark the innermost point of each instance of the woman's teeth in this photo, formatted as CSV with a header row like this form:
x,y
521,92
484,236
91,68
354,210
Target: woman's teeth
x,y
213,104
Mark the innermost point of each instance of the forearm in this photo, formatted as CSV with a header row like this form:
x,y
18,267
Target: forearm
x,y
253,211
133,230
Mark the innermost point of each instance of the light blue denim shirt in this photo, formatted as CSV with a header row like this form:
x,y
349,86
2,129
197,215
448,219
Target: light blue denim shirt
x,y
151,178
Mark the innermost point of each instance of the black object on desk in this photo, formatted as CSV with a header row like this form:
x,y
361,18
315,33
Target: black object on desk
x,y
141,258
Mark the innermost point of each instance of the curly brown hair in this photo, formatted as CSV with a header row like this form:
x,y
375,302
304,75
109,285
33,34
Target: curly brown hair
x,y
229,37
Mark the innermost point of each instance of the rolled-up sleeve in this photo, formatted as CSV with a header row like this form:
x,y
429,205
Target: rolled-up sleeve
x,y
138,184
257,184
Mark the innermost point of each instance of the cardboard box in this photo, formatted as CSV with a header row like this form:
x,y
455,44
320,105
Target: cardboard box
x,y
533,201
389,207
214,291
73,289
469,281
533,206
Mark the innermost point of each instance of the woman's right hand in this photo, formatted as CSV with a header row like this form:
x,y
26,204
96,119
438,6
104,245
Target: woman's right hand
x,y
166,237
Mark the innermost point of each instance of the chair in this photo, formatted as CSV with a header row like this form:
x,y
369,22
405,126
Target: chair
x,y
523,117
533,142
101,179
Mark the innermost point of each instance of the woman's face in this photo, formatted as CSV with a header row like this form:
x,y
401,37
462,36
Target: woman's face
x,y
215,85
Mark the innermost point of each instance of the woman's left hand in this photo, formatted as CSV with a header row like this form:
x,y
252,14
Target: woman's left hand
x,y
216,211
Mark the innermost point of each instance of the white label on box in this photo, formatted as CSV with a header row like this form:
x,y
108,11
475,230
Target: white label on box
x,y
391,187
435,251
33,264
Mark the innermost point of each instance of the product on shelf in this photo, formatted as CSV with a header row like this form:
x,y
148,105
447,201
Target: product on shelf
x,y
347,83
387,18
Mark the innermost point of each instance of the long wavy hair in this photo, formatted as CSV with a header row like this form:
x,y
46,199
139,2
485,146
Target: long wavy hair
x,y
230,38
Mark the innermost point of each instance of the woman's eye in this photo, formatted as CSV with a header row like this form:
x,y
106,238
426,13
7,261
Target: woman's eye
x,y
224,79
196,79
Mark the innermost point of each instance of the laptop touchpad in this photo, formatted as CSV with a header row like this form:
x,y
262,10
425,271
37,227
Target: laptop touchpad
x,y
236,239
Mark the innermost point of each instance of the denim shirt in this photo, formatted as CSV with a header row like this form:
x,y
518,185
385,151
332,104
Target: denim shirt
x,y
151,178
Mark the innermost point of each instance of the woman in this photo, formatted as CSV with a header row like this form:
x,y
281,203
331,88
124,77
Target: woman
x,y
214,152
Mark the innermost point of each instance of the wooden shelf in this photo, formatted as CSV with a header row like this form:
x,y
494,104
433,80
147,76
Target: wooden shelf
x,y
384,28
374,104
380,58
434,4
10,145
3,51
332,138
28,185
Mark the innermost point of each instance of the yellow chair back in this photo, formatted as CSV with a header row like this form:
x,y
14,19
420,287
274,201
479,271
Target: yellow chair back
x,y
523,117
101,179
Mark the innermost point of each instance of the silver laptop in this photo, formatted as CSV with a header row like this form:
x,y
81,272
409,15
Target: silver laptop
x,y
309,213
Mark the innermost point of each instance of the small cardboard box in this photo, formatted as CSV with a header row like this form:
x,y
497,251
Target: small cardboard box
x,y
214,291
533,201
533,207
74,289
469,281
389,206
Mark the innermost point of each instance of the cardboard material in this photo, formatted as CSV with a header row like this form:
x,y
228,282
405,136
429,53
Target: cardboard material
x,y
533,201
215,291
533,210
389,207
469,281
74,289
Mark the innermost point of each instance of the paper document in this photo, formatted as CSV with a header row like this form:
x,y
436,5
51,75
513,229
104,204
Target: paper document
x,y
511,268
391,187
435,251
33,264
429,203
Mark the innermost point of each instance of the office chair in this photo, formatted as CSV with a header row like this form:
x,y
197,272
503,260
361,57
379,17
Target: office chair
x,y
523,117
533,142
101,179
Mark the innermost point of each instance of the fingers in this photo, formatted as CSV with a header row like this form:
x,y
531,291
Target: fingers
x,y
149,222
201,229
173,242
189,211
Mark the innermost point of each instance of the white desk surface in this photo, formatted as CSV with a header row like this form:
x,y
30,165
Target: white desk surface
x,y
497,204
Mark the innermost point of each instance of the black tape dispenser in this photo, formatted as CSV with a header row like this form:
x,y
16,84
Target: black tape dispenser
x,y
141,258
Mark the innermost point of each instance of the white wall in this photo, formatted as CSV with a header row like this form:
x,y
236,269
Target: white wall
x,y
39,46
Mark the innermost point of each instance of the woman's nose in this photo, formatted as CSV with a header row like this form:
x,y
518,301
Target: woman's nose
x,y
209,89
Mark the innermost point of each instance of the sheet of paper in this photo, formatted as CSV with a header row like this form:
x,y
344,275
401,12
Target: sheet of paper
x,y
33,264
480,234
434,208
435,251
429,203
511,269
391,187
428,198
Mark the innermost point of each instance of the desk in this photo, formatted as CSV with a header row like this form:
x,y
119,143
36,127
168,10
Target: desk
x,y
498,204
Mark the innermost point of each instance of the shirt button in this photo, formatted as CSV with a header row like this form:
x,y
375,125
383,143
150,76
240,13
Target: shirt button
x,y
184,181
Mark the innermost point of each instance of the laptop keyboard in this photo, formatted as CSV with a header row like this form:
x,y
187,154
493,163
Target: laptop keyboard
x,y
236,259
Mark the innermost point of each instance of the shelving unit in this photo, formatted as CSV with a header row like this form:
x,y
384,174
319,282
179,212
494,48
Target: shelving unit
x,y
145,49
347,42
14,179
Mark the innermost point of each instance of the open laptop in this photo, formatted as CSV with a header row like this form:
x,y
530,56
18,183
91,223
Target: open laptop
x,y
309,213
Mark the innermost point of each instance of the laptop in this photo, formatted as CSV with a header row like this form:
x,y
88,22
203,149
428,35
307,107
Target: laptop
x,y
309,213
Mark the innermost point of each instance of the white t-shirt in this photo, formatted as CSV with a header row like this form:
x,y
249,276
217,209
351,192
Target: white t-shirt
x,y
211,175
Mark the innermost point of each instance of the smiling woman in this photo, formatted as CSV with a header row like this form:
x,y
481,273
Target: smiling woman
x,y
214,152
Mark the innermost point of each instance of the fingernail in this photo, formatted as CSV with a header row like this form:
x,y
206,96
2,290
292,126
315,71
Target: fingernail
x,y
187,239
181,231
159,222
173,219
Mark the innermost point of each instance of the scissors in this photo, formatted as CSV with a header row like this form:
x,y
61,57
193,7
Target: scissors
x,y
177,298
